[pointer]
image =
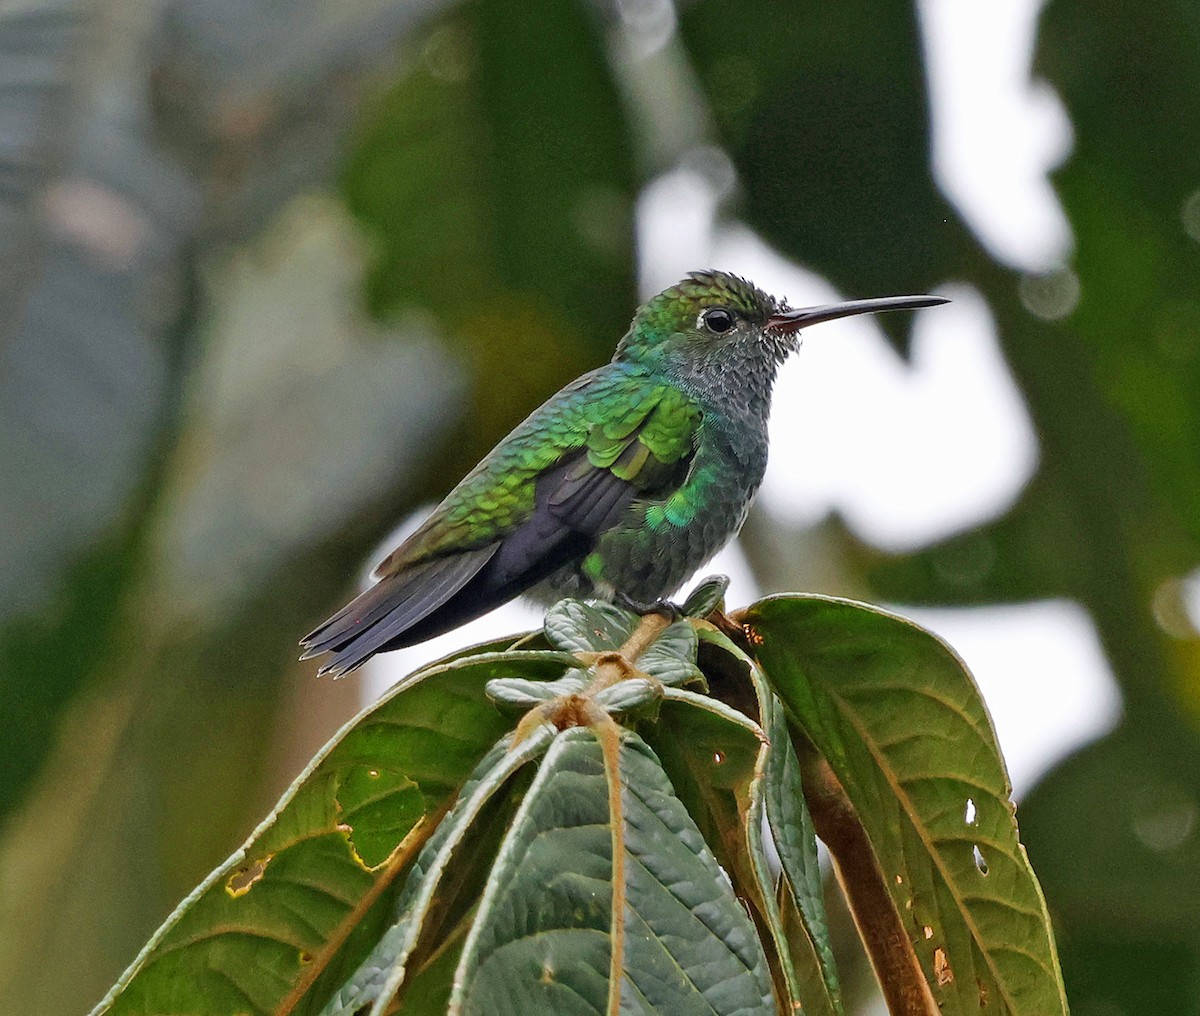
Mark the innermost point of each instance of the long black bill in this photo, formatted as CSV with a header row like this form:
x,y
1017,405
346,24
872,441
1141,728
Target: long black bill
x,y
791,321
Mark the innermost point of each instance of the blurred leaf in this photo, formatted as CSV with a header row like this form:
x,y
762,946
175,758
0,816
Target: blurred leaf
x,y
258,98
542,938
91,300
295,383
496,180
252,118
263,926
233,564
825,115
36,43
902,725
118,192
1126,191
824,111
1108,354
1116,839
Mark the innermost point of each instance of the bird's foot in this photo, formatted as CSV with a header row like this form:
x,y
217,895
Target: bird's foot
x,y
666,608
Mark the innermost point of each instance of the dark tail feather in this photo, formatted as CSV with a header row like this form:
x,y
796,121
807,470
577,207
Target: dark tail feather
x,y
575,503
390,608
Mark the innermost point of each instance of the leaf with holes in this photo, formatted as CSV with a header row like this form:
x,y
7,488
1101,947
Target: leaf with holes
x,y
898,718
382,974
286,915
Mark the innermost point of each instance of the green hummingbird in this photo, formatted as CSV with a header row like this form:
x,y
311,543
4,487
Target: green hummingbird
x,y
619,487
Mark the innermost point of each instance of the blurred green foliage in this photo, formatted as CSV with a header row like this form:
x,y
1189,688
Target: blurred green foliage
x,y
203,433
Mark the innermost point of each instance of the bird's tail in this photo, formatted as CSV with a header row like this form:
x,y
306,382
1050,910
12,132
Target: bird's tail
x,y
389,615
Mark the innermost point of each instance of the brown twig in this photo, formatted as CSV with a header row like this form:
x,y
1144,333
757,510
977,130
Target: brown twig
x,y
905,988
644,635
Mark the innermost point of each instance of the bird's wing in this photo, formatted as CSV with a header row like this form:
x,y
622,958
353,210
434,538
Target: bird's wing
x,y
578,459
538,501
644,453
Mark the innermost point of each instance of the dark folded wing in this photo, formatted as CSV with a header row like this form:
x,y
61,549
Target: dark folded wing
x,y
574,503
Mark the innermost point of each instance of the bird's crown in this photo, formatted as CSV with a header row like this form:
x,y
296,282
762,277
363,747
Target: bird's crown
x,y
678,309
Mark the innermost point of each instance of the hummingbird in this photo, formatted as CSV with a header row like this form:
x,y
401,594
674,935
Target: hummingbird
x,y
618,487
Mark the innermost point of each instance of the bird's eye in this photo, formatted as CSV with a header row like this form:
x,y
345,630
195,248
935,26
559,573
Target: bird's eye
x,y
717,320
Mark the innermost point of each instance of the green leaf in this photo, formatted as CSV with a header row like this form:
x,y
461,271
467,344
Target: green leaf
x,y
89,380
541,941
495,178
804,926
517,691
632,693
1117,814
672,657
768,797
710,759
271,920
715,765
593,626
429,993
836,94
380,976
706,597
898,718
578,626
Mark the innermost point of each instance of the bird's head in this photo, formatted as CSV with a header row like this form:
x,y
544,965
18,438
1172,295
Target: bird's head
x,y
715,316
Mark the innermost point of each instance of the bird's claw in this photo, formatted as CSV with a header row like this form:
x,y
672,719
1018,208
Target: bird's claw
x,y
666,608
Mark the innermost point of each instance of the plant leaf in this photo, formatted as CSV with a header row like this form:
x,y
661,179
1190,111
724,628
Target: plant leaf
x,y
672,657
837,94
519,692
271,920
579,626
381,974
590,626
770,800
706,596
710,761
541,940
803,921
898,718
1116,814
497,181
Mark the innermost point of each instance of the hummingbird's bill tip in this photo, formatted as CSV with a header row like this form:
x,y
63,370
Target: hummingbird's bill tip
x,y
791,321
